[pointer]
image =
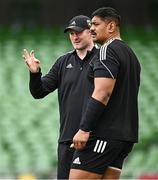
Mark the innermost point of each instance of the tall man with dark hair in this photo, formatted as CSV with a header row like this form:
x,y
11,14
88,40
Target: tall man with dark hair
x,y
109,126
69,76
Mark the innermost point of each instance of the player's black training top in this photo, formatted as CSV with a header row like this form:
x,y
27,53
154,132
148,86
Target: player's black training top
x,y
69,76
120,119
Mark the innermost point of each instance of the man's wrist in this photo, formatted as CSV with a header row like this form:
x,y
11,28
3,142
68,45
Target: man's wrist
x,y
36,72
83,131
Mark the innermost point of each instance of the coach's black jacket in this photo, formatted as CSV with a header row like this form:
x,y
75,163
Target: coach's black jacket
x,y
70,76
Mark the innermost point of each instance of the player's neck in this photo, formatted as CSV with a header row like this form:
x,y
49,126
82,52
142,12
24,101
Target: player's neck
x,y
83,52
113,36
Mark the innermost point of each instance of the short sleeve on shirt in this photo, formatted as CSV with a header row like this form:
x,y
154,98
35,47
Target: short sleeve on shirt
x,y
107,65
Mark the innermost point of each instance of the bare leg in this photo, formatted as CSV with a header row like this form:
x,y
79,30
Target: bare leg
x,y
81,174
112,173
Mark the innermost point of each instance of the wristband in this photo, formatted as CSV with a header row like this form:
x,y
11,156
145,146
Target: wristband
x,y
92,114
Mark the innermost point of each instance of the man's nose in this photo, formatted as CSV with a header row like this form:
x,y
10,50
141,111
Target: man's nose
x,y
92,28
75,36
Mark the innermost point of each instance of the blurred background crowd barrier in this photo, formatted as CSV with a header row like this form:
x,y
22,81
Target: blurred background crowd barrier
x,y
28,127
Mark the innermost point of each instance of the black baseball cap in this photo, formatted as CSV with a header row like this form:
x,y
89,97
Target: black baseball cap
x,y
78,23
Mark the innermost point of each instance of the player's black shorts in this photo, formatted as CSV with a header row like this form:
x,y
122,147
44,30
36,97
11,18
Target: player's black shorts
x,y
100,154
65,155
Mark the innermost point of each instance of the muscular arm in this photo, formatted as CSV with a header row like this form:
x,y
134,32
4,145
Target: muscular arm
x,y
103,89
96,105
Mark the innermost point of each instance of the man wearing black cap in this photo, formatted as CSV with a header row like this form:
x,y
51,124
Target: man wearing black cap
x,y
111,114
78,24
69,75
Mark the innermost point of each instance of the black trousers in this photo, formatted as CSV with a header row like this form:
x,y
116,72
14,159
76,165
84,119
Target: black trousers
x,y
65,156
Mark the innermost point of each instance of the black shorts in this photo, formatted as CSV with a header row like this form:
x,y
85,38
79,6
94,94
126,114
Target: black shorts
x,y
65,156
100,154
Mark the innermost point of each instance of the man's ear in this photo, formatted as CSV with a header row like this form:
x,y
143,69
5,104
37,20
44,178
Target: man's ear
x,y
111,26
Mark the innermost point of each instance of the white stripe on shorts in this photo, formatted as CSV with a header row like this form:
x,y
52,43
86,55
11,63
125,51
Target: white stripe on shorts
x,y
96,145
100,146
104,145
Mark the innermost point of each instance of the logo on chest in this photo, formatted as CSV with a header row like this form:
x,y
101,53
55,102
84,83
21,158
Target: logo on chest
x,y
69,66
